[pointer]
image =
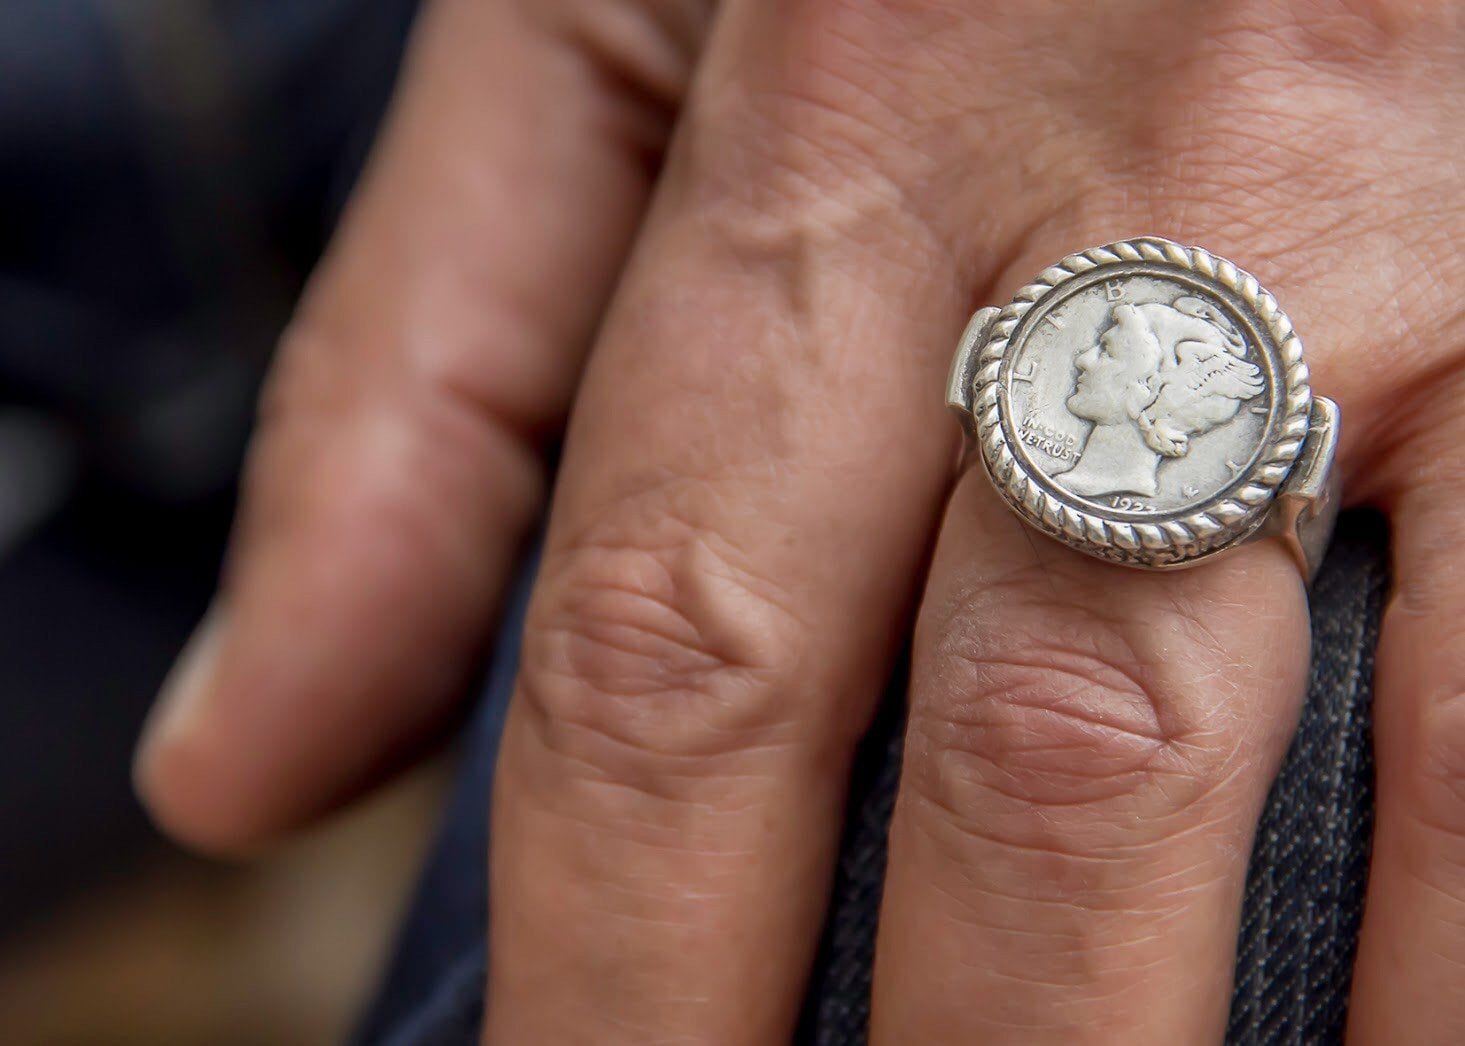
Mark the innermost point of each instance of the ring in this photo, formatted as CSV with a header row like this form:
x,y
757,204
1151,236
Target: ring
x,y
1148,404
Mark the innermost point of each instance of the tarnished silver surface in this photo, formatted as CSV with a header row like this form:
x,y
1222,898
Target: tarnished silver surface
x,y
1148,403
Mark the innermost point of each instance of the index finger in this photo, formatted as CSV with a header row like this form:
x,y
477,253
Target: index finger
x,y
396,469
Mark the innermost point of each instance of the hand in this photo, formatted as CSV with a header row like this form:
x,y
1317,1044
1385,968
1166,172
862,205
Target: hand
x,y
757,467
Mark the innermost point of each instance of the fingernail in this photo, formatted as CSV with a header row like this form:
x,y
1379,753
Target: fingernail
x,y
183,692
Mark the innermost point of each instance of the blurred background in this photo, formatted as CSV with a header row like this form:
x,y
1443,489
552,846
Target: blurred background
x,y
169,171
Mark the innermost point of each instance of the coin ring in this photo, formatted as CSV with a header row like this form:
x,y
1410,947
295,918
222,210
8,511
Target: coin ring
x,y
1254,361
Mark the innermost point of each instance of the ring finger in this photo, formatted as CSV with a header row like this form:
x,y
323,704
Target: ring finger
x,y
1087,754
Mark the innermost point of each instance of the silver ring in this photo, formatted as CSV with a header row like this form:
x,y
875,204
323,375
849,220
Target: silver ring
x,y
1148,404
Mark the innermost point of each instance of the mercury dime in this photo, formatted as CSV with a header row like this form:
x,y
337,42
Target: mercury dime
x,y
1144,402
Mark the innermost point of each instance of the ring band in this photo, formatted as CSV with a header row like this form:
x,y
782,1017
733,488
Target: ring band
x,y
1148,404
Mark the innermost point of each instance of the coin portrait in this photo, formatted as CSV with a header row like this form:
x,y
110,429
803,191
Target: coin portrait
x,y
1146,403
1138,394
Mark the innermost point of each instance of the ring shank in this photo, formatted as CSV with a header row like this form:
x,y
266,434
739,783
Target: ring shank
x,y
1307,505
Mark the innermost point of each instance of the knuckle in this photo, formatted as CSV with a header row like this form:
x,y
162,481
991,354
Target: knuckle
x,y
1083,731
650,643
430,392
792,191
382,469
345,352
818,137
1045,729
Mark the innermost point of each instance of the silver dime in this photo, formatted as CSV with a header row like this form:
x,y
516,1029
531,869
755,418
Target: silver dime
x,y
1143,402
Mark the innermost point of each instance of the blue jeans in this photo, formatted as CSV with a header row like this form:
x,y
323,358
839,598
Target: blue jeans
x,y
1304,895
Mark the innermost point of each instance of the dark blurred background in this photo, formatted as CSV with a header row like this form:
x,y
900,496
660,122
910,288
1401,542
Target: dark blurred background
x,y
169,171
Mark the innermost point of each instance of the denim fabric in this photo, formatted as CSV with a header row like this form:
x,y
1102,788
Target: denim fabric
x,y
1309,867
433,990
1304,893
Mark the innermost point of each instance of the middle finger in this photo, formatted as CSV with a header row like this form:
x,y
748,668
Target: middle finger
x,y
750,482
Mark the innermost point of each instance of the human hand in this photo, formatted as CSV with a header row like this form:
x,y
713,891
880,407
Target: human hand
x,y
758,464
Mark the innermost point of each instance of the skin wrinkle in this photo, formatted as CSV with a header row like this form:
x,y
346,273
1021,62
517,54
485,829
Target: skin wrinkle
x,y
1357,37
1268,222
1082,642
306,384
792,138
602,762
640,896
1434,855
1424,408
1094,958
699,828
795,422
904,149
1082,982
866,52
1437,778
1018,825
600,621
1062,940
966,754
1446,903
406,438
799,224
653,720
1086,971
1111,954
1121,908
806,130
653,522
965,834
709,705
659,634
805,262
1095,988
677,774
834,93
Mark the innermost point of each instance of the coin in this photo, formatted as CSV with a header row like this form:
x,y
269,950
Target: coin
x,y
1143,401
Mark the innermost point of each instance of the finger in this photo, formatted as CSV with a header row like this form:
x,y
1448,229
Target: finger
x,y
1411,957
397,466
1087,753
748,485
1088,749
